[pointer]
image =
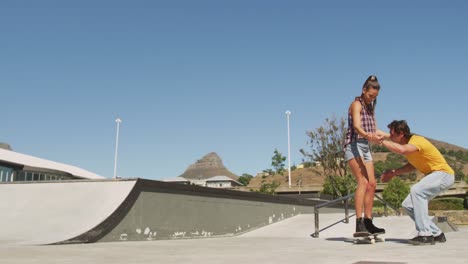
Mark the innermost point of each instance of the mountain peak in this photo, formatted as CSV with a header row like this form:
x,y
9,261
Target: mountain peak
x,y
209,166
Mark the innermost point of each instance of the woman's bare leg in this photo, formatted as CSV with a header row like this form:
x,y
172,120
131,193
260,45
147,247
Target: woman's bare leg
x,y
359,171
370,190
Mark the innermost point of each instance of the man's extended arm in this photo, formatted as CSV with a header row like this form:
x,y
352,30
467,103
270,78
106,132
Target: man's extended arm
x,y
398,148
389,174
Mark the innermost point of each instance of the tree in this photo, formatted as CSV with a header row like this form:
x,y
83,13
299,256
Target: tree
x,y
339,186
326,147
277,162
395,192
245,179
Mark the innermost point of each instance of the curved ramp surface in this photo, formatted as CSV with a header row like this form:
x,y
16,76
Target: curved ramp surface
x,y
57,212
120,210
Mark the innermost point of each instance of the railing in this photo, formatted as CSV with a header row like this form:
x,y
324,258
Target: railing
x,y
346,208
386,205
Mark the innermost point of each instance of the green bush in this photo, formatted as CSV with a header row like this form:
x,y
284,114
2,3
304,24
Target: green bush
x,y
378,203
395,192
245,179
269,188
339,186
446,204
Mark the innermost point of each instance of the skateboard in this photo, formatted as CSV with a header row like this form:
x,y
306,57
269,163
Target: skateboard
x,y
367,238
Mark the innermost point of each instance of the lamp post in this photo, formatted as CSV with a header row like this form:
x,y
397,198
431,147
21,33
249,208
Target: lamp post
x,y
118,121
288,113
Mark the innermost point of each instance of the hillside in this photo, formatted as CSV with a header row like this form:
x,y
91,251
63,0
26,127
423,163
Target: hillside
x,y
313,176
447,146
308,177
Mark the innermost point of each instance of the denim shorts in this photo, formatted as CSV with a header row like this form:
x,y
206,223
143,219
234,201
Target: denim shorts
x,y
356,149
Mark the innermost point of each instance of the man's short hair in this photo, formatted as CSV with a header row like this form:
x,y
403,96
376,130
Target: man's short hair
x,y
400,126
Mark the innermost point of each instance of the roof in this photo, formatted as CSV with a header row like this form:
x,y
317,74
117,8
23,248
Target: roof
x,y
221,178
177,179
16,158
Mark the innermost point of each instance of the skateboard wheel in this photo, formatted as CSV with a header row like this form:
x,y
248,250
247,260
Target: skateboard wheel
x,y
372,241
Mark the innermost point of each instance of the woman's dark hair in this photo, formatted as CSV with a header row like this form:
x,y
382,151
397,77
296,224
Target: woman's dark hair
x,y
400,126
372,82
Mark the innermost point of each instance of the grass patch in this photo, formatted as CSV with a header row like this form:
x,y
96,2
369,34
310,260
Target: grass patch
x,y
446,204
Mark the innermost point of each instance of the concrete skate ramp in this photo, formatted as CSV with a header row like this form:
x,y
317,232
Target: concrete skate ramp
x,y
89,211
173,211
52,212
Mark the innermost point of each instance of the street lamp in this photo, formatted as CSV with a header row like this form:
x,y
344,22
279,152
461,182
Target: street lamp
x,y
288,113
118,121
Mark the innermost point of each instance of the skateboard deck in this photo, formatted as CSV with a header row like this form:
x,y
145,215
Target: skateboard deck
x,y
367,238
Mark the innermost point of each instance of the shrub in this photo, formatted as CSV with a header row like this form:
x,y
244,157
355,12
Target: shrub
x,y
339,186
245,179
446,204
395,192
378,203
269,188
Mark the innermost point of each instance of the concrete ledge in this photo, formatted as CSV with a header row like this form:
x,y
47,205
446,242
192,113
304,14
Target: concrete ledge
x,y
457,217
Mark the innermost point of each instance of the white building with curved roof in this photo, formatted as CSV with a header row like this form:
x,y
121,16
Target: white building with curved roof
x,y
16,166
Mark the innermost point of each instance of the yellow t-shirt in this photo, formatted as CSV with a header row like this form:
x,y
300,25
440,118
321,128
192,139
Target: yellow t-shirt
x,y
428,158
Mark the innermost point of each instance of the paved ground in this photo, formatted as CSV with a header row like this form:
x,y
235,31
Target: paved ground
x,y
288,241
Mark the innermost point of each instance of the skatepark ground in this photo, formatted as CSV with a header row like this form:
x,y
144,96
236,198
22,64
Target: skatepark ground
x,y
288,241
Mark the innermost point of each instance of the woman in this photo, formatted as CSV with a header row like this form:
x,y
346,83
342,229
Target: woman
x,y
362,128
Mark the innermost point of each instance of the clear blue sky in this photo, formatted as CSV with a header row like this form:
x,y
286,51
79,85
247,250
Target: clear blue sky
x,y
191,77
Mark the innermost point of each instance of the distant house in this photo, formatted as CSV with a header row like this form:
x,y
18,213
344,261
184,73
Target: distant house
x,y
179,180
213,182
221,182
263,173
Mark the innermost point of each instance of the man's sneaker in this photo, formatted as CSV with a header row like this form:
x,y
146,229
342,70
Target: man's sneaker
x,y
422,240
372,228
440,238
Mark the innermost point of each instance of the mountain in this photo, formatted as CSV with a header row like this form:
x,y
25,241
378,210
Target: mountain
x,y
5,146
209,166
446,146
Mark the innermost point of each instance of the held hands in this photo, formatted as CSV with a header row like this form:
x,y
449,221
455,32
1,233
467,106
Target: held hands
x,y
375,138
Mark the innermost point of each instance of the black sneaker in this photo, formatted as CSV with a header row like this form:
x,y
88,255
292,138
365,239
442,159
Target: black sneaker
x,y
440,238
422,240
372,228
360,226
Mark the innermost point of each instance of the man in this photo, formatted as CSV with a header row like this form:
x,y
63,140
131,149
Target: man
x,y
439,176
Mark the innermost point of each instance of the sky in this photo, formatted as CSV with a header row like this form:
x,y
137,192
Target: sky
x,y
192,77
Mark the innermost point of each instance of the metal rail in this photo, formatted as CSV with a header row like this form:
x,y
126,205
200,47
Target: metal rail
x,y
386,205
346,208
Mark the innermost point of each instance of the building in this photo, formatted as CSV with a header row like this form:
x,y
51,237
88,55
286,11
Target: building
x,y
221,182
17,167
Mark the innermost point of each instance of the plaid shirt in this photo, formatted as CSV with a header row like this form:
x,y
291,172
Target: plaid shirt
x,y
367,123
